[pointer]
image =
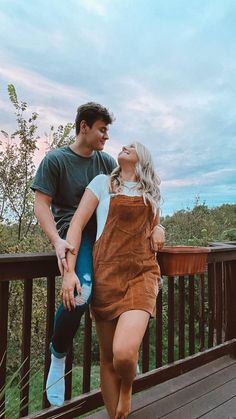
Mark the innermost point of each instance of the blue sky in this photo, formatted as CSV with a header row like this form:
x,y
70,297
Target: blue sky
x,y
166,68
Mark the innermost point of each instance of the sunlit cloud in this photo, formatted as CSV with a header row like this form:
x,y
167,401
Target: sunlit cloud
x,y
38,84
208,178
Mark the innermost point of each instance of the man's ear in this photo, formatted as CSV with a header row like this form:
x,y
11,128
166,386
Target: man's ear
x,y
83,127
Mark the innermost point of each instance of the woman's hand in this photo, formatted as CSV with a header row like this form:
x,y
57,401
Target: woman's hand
x,y
157,238
69,282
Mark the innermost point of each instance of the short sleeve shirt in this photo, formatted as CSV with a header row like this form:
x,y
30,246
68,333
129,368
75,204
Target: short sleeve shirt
x,y
100,188
64,175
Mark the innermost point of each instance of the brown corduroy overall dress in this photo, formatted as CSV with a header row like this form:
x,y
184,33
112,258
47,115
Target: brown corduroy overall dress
x,y
126,273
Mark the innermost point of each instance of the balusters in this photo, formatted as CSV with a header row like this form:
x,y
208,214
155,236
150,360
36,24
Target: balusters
x,y
219,299
202,313
87,352
181,317
4,294
211,305
170,319
159,332
49,330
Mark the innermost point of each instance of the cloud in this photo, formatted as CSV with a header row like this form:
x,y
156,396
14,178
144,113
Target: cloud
x,y
39,85
94,6
4,106
167,73
145,109
216,177
44,96
50,116
94,39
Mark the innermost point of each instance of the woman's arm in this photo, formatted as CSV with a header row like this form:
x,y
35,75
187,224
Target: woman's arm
x,y
158,234
85,210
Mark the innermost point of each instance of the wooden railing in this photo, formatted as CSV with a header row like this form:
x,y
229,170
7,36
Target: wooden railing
x,y
194,314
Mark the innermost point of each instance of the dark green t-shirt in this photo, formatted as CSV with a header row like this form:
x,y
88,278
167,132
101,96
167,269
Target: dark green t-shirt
x,y
64,175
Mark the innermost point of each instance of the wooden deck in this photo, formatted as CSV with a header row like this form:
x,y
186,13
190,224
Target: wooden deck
x,y
207,392
195,325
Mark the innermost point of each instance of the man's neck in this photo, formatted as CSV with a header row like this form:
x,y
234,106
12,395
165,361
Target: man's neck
x,y
81,149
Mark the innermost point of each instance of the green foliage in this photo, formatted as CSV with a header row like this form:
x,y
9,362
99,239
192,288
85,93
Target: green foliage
x,y
34,241
36,389
201,225
17,170
61,136
38,322
229,234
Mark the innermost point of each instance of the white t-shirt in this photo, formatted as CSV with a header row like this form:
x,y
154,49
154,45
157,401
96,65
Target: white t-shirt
x,y
100,187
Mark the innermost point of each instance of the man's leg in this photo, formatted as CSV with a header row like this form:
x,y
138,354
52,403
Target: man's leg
x,y
67,323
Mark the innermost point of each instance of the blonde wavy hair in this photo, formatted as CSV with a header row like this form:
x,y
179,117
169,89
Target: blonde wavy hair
x,y
148,181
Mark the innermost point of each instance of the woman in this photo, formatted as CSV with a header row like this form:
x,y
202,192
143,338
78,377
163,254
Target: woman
x,y
125,269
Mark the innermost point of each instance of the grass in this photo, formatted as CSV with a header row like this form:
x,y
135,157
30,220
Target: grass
x,y
36,391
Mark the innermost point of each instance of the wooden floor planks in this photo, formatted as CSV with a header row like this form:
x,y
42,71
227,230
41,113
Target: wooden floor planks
x,y
207,392
196,407
226,410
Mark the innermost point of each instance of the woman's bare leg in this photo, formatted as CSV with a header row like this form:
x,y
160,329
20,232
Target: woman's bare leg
x,y
110,381
128,336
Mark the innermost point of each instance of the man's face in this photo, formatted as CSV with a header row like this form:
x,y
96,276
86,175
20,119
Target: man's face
x,y
97,135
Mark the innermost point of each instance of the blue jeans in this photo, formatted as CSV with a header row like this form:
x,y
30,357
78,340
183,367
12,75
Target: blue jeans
x,y
67,322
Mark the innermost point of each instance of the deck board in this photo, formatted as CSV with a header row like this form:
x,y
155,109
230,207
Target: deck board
x,y
208,391
226,410
195,408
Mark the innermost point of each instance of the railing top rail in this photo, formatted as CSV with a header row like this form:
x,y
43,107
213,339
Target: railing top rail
x,y
214,247
37,265
220,246
26,257
222,252
28,266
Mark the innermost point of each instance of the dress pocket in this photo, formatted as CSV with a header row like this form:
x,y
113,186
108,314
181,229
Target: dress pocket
x,y
131,222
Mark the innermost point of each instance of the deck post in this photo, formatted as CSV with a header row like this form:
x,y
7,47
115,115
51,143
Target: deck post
x,y
230,284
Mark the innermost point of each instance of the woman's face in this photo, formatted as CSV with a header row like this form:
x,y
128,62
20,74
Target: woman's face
x,y
128,154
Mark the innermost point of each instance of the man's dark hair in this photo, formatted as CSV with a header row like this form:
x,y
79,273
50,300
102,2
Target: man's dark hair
x,y
91,112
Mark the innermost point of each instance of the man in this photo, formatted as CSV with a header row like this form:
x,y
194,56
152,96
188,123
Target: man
x,y
59,185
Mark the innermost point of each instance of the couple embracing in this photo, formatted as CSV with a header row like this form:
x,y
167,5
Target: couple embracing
x,y
103,220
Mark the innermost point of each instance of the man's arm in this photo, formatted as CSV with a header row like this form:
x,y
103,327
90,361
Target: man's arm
x,y
42,209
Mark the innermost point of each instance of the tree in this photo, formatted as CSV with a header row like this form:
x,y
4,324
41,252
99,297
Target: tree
x,y
60,137
17,168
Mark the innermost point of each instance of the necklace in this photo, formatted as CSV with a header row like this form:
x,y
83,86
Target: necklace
x,y
131,186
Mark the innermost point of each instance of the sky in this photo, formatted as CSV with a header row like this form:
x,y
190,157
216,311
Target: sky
x,y
165,68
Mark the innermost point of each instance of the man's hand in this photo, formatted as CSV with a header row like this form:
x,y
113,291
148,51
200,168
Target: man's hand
x,y
157,238
69,282
61,248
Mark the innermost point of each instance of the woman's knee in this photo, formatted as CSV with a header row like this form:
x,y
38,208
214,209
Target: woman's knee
x,y
125,358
